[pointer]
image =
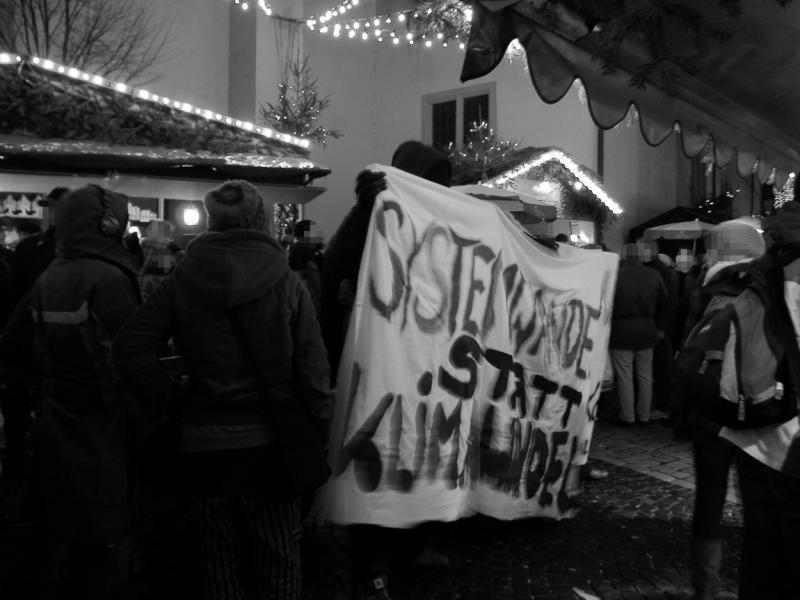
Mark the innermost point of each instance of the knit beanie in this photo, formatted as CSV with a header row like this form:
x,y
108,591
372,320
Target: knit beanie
x,y
236,205
423,161
732,241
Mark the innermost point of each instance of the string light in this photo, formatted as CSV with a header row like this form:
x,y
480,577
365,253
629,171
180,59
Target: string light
x,y
262,4
144,95
571,166
339,9
442,22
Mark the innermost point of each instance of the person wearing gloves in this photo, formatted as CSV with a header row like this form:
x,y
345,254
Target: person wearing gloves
x,y
768,458
728,244
378,551
255,405
343,256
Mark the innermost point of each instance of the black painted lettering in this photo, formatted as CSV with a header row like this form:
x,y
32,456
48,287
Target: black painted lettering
x,y
476,286
464,354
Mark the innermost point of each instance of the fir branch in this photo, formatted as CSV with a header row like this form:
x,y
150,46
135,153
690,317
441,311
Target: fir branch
x,y
299,106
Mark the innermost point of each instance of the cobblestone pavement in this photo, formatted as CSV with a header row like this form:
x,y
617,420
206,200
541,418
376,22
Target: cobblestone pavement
x,y
630,539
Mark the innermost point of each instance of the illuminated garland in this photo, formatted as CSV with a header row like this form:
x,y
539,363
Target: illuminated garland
x,y
571,166
142,94
262,4
338,10
439,23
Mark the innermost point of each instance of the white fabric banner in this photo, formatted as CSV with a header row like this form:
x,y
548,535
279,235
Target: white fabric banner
x,y
472,367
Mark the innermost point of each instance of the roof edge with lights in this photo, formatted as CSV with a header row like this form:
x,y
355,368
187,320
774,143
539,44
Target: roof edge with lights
x,y
211,128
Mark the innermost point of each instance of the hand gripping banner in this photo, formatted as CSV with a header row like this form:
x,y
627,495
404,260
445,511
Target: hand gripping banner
x,y
472,366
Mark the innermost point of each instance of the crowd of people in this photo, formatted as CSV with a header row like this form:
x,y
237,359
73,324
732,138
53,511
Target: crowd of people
x,y
143,380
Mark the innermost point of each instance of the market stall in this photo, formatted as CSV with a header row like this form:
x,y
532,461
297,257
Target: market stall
x,y
576,203
63,127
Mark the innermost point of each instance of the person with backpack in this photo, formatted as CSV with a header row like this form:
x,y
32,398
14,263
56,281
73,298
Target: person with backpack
x,y
254,402
768,456
729,244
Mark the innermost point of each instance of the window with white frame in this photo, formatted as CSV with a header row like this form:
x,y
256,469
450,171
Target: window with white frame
x,y
448,117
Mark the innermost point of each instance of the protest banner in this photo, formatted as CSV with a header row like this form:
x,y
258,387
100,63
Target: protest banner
x,y
472,367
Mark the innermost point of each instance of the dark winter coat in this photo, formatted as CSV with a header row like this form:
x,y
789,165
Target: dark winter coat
x,y
32,256
233,306
73,311
7,296
639,304
343,256
670,279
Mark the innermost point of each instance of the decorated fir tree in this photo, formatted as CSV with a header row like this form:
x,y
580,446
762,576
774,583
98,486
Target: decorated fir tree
x,y
483,155
299,106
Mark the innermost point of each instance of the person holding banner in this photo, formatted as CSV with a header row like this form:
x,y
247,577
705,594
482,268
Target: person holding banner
x,y
376,550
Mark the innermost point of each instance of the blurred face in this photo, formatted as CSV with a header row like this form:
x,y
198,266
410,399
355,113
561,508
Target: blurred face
x,y
647,252
728,250
684,261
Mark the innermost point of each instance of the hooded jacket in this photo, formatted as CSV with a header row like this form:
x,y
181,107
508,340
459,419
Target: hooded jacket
x,y
343,256
245,328
639,304
73,311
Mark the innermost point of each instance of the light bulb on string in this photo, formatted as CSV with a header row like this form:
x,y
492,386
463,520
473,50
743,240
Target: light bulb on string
x,y
351,33
395,40
356,25
376,22
365,36
401,17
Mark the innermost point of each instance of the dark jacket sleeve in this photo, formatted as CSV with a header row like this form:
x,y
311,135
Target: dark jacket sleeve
x,y
342,261
16,341
662,311
138,345
309,363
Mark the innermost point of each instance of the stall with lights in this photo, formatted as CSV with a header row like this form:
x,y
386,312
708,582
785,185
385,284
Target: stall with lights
x,y
60,126
548,177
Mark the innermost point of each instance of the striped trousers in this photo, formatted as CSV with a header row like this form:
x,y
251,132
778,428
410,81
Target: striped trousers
x,y
251,548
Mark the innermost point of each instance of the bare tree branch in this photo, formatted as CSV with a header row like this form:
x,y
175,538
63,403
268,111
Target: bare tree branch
x,y
119,39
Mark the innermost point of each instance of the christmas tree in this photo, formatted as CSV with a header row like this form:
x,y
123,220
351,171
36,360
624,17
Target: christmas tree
x,y
299,106
483,155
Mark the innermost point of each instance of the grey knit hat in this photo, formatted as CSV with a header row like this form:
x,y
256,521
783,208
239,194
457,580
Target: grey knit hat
x,y
236,205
